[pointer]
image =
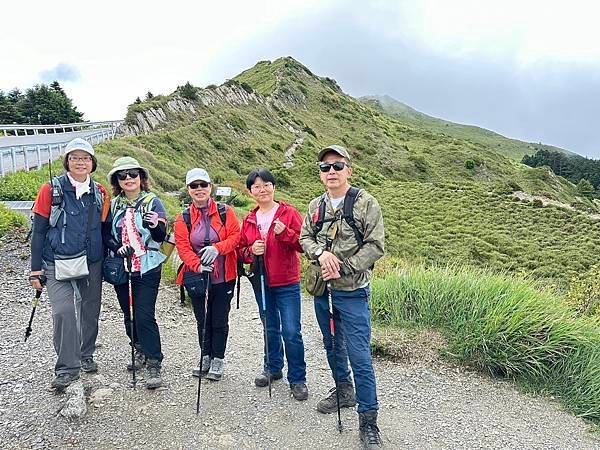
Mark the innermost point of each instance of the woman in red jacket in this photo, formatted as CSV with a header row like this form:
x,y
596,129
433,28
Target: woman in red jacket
x,y
206,236
271,231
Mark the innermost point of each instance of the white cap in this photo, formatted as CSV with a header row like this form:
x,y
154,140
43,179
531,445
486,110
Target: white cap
x,y
79,144
196,174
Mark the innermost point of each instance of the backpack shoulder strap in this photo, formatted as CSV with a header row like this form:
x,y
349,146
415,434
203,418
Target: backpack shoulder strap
x,y
187,218
222,208
97,194
58,201
321,215
144,203
348,213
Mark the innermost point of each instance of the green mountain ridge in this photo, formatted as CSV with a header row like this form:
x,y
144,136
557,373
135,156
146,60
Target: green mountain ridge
x,y
514,148
445,199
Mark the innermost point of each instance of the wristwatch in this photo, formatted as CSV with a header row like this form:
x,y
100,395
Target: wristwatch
x,y
319,252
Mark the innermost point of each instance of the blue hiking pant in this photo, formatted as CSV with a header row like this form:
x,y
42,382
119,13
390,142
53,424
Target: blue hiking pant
x,y
352,325
283,330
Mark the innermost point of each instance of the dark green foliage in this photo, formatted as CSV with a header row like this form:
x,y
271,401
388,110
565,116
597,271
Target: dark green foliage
x,y
149,95
248,153
469,164
420,162
40,104
245,86
573,167
282,177
188,91
310,131
238,124
584,187
137,101
276,146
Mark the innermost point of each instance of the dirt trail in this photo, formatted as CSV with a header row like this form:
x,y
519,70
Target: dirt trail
x,y
424,404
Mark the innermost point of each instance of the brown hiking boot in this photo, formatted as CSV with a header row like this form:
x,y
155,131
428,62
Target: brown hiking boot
x,y
347,399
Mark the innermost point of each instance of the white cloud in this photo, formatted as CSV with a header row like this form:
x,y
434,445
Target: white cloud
x,y
123,49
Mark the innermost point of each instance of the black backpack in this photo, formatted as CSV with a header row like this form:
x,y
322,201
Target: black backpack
x,y
347,214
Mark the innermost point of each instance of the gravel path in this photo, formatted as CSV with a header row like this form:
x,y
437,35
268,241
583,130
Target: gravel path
x,y
424,403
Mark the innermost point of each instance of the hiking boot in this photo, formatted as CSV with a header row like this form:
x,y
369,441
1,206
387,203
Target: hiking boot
x,y
347,399
368,430
152,377
139,359
88,365
262,379
215,372
202,370
299,391
63,380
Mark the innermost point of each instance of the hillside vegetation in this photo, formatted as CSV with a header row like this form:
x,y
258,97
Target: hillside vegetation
x,y
503,326
513,148
445,198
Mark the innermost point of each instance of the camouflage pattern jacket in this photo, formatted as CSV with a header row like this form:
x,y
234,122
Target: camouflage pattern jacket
x,y
357,262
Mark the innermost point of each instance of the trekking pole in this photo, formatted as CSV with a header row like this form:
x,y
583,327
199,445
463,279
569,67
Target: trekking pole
x,y
261,269
335,369
239,282
131,324
207,284
35,303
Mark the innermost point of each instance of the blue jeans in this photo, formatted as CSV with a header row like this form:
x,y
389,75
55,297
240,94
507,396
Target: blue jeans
x,y
352,327
283,329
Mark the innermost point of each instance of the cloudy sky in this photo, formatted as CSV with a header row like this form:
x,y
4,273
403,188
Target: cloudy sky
x,y
527,69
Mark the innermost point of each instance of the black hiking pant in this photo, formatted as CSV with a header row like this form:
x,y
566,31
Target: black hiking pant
x,y
217,318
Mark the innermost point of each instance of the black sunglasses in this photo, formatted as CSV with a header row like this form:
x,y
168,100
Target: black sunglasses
x,y
133,173
197,184
337,166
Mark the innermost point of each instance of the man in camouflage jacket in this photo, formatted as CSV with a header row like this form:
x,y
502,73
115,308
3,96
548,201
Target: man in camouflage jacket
x,y
346,267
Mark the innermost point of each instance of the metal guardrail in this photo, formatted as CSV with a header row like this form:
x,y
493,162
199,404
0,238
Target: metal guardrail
x,y
35,156
28,130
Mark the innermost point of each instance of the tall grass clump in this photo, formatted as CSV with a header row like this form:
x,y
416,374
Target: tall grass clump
x,y
502,325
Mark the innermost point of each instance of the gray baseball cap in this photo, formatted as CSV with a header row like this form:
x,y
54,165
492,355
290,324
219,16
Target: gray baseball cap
x,y
336,149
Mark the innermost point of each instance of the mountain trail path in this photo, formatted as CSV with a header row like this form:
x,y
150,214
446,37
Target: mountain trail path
x,y
425,403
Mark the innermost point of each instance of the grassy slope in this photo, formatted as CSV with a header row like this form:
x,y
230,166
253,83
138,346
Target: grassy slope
x,y
512,148
436,208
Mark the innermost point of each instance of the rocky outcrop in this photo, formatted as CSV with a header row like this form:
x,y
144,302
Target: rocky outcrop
x,y
156,117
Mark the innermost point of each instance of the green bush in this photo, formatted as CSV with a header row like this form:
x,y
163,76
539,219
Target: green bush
x,y
248,153
310,131
24,185
502,325
10,220
469,164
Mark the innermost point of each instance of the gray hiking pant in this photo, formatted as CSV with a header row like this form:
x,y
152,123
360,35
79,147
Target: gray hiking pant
x,y
74,316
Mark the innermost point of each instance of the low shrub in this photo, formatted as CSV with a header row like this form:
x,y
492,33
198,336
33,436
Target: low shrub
x,y
10,220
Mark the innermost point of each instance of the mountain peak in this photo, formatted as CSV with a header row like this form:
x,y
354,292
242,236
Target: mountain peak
x,y
267,77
